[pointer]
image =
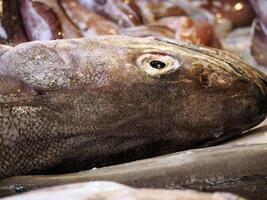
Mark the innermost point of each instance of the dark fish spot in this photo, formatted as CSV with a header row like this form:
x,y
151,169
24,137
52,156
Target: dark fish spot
x,y
157,64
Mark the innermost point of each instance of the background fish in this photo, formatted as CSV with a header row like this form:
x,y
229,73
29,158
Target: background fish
x,y
238,169
110,191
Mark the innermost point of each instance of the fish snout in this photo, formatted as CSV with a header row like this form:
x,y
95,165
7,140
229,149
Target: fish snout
x,y
242,92
254,99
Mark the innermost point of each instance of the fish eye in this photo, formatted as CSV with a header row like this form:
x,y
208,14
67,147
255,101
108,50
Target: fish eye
x,y
157,64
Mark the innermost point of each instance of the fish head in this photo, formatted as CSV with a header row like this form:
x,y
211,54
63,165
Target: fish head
x,y
153,86
178,86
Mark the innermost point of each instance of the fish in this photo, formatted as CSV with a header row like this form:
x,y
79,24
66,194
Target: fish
x,y
66,19
259,33
11,23
123,13
46,21
237,169
197,32
89,22
257,135
69,105
41,19
239,12
103,190
152,11
155,30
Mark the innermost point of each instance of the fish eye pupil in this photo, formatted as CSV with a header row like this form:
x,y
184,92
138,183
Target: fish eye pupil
x,y
157,64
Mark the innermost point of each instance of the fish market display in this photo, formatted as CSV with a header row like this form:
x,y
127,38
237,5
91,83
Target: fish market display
x,y
86,84
259,37
115,191
49,20
249,42
67,105
238,12
239,169
12,26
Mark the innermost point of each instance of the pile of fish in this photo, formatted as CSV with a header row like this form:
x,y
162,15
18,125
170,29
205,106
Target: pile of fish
x,y
27,20
49,19
82,87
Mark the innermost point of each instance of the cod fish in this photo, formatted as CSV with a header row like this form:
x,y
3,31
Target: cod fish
x,y
70,105
114,191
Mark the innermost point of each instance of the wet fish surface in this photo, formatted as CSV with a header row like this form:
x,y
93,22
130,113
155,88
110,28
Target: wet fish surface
x,y
69,105
257,135
103,190
240,169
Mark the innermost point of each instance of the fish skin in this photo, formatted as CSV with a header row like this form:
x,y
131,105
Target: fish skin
x,y
69,105
257,135
125,14
104,190
238,169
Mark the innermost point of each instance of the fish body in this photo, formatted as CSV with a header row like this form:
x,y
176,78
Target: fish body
x,y
109,190
239,169
68,105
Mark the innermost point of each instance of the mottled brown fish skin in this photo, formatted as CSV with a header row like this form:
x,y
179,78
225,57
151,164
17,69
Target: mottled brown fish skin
x,y
68,105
